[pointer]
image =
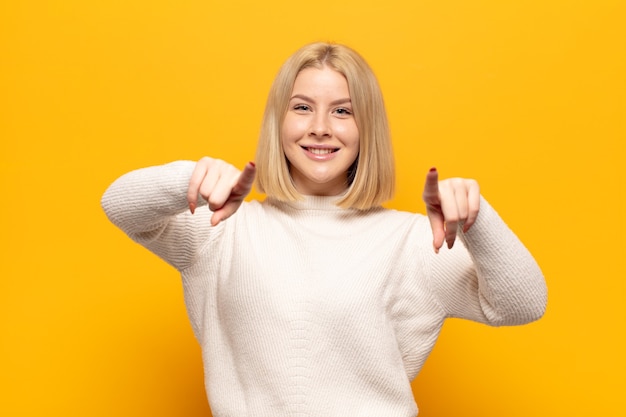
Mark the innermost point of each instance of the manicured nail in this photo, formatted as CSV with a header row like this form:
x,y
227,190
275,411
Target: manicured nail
x,y
433,169
192,208
253,164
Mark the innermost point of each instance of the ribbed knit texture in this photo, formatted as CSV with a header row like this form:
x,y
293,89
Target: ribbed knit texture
x,y
305,309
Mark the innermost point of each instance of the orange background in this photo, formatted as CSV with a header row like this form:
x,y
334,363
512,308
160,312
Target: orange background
x,y
528,97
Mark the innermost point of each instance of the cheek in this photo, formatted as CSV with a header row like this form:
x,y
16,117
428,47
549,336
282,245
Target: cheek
x,y
349,132
292,128
288,136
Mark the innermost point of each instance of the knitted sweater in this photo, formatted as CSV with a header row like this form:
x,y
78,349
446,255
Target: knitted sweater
x,y
307,309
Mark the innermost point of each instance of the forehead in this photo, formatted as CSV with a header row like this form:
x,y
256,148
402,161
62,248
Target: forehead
x,y
323,80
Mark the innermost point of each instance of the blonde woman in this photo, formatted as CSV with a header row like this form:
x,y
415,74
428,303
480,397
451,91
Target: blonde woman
x,y
317,301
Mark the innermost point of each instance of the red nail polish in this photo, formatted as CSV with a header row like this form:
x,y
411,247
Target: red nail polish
x,y
433,169
253,164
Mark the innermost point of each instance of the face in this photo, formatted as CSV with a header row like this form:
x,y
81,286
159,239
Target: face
x,y
319,135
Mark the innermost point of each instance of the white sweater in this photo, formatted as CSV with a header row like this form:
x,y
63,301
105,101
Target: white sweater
x,y
306,309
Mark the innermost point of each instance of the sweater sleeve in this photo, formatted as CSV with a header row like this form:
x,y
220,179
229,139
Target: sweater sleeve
x,y
489,276
150,206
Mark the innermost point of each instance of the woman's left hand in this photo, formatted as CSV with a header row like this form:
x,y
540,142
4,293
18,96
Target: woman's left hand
x,y
450,204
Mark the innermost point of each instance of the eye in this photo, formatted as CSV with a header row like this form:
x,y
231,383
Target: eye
x,y
342,111
301,107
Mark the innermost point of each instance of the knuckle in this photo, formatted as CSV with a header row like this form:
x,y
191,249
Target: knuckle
x,y
452,219
213,201
204,163
204,192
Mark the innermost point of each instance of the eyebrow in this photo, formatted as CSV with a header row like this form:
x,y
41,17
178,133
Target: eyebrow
x,y
310,100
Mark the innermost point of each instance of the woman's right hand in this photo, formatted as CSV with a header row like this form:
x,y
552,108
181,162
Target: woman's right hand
x,y
222,185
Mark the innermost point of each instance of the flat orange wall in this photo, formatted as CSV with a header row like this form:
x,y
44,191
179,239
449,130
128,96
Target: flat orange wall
x,y
528,97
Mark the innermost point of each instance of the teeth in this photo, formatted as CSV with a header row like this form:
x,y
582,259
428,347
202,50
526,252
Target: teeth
x,y
318,151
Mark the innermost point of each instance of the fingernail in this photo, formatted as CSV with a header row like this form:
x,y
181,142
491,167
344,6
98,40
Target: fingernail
x,y
192,208
253,164
433,169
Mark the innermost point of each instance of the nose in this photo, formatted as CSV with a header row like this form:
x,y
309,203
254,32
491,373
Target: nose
x,y
320,126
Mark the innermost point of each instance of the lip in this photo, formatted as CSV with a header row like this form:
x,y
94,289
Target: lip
x,y
320,156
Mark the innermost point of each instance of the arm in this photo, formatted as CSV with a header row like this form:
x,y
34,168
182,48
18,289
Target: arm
x,y
490,276
155,205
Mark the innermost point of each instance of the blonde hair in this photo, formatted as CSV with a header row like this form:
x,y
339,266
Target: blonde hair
x,y
371,179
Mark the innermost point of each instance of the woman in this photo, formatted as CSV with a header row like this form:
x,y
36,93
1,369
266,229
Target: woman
x,y
318,301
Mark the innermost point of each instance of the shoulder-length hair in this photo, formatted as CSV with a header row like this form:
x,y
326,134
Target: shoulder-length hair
x,y
371,179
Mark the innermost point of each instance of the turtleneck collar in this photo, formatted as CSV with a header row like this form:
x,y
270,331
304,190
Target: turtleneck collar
x,y
309,202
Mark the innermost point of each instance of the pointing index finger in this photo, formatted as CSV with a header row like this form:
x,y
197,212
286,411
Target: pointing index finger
x,y
431,188
246,180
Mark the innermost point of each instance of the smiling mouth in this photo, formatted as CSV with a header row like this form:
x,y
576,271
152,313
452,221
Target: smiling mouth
x,y
321,151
